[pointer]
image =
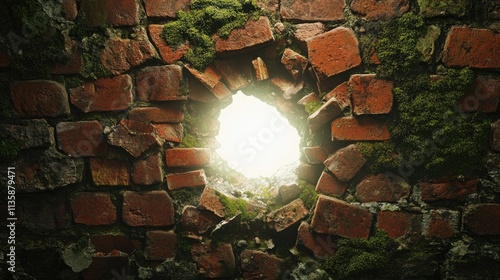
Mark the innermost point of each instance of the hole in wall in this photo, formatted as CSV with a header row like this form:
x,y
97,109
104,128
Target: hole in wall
x,y
255,139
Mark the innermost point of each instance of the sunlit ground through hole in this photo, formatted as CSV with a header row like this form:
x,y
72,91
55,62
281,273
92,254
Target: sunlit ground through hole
x,y
255,139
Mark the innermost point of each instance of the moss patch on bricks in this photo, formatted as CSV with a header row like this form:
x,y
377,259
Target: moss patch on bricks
x,y
205,18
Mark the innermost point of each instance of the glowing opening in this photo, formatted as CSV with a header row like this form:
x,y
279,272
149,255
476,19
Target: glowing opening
x,y
255,139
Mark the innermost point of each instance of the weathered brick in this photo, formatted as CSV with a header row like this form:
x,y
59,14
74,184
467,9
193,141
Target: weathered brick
x,y
120,55
214,260
153,208
165,8
259,265
93,209
328,184
197,221
436,8
135,137
306,31
236,72
363,128
107,243
170,112
107,267
317,154
210,201
148,171
341,94
167,54
84,138
370,95
108,12
254,34
453,190
39,98
110,172
472,47
69,9
380,188
380,10
311,97
495,136
441,223
160,245
160,83
483,96
33,133
324,114
107,94
209,77
483,219
321,245
294,63
44,212
287,86
334,52
170,132
309,172
286,216
288,192
196,178
188,157
260,69
303,10
74,65
345,163
336,217
399,224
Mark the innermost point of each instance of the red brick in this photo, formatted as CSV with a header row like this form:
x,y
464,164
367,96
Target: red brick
x,y
294,63
259,265
135,137
214,260
69,9
188,157
168,54
4,56
453,190
303,10
170,132
107,94
472,47
254,34
74,65
317,154
380,10
311,97
110,172
370,95
194,178
160,83
236,72
379,188
341,94
109,12
120,55
287,87
495,136
199,92
209,77
320,245
197,221
286,216
441,223
324,114
399,224
309,172
360,129
83,138
148,171
39,98
260,68
334,52
170,112
345,163
483,219
165,8
210,201
336,217
93,209
160,245
107,243
306,31
483,96
330,185
153,208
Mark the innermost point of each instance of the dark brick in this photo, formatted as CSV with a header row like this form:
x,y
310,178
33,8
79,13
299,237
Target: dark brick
x,y
93,209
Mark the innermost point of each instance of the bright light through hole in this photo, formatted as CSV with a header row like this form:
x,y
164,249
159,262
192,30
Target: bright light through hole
x,y
255,139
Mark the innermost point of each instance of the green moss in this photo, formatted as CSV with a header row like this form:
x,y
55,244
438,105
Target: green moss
x,y
190,141
379,155
361,259
308,194
205,18
234,206
312,106
9,150
91,49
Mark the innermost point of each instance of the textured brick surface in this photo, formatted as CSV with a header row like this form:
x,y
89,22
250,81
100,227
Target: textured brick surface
x,y
328,184
286,216
185,157
441,223
197,221
196,178
303,10
321,245
93,209
370,95
168,55
84,138
259,265
39,98
454,190
165,8
317,154
236,72
210,201
110,172
306,31
345,163
324,114
309,172
483,96
135,137
160,83
148,171
294,63
483,219
170,112
153,208
109,12
380,10
214,260
472,47
341,94
380,188
107,243
363,128
399,224
170,132
44,212
334,216
160,245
